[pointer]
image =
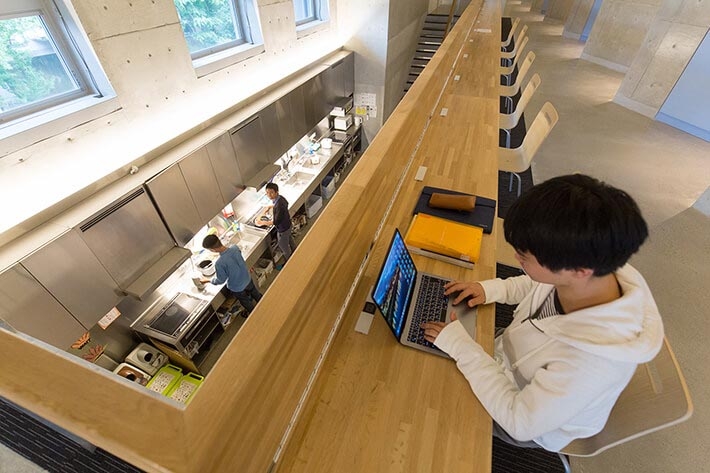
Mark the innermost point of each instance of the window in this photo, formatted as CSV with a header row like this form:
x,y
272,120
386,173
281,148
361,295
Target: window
x,y
311,15
47,73
219,32
305,11
50,79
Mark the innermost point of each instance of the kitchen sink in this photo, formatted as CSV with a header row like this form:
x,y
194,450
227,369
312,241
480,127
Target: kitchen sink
x,y
299,179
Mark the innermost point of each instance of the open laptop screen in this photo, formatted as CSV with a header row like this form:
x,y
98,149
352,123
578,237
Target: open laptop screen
x,y
395,284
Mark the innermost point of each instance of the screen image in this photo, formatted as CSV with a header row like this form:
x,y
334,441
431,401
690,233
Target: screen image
x,y
394,286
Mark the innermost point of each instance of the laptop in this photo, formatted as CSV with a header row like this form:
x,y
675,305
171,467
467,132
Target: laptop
x,y
407,298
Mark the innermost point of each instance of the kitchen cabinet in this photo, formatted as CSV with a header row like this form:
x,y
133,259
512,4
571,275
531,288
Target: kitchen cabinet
x,y
275,146
349,75
202,182
287,126
224,164
171,195
330,86
68,269
29,308
250,148
298,115
315,104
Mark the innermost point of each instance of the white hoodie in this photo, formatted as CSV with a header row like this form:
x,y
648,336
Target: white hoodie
x,y
556,386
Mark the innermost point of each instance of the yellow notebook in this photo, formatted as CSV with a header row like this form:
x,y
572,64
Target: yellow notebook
x,y
446,237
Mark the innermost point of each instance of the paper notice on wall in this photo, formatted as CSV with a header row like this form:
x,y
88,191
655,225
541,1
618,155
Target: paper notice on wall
x,y
366,105
108,318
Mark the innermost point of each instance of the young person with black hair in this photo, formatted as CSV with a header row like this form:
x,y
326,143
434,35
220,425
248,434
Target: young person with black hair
x,y
231,268
585,318
281,220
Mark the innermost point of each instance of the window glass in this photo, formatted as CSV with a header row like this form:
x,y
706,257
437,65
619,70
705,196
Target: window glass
x,y
305,11
32,70
209,25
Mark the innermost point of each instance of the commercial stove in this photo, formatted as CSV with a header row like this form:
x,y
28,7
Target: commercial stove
x,y
184,322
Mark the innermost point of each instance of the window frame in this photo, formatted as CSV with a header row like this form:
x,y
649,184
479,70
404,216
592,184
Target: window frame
x,y
320,21
246,21
94,98
308,19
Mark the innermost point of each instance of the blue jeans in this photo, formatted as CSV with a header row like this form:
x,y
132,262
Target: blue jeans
x,y
249,297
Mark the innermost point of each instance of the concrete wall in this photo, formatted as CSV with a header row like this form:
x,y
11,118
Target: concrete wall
x,y
142,49
673,37
365,25
577,18
559,9
619,32
405,23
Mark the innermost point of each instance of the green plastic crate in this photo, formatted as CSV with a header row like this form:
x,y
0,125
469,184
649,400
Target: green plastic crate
x,y
166,377
185,388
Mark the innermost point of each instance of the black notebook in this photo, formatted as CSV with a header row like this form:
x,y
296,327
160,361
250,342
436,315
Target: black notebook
x,y
483,213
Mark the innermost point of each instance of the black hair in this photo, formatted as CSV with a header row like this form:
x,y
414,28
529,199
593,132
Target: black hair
x,y
575,222
211,242
272,186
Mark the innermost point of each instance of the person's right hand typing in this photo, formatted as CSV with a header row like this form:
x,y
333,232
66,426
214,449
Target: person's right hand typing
x,y
472,292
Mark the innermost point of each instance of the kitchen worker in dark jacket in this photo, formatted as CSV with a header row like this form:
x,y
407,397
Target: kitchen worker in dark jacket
x,y
281,220
231,267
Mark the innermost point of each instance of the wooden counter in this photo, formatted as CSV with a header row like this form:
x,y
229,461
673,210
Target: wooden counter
x,y
364,403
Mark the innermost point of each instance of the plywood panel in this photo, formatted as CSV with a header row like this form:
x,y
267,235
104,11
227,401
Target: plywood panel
x,y
560,9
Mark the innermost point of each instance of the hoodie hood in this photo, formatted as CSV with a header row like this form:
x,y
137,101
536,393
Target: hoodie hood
x,y
628,329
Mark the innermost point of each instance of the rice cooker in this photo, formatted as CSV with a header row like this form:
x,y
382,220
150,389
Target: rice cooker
x,y
206,267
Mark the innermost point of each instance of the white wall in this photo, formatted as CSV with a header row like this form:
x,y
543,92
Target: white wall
x,y
142,49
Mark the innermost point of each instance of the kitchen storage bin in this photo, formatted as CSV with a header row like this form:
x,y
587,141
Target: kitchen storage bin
x,y
185,388
148,358
313,205
165,379
132,373
328,187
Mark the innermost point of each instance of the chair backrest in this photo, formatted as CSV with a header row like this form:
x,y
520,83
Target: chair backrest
x,y
656,397
510,120
506,70
520,43
510,90
519,159
516,22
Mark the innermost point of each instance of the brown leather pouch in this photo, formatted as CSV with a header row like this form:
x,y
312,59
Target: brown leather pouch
x,y
453,202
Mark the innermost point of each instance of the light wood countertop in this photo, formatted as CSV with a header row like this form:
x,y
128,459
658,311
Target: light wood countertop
x,y
352,418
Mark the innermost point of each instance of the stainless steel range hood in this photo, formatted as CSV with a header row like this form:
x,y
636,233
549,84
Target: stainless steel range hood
x,y
263,176
132,243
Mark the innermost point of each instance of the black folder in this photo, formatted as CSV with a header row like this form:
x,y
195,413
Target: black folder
x,y
482,215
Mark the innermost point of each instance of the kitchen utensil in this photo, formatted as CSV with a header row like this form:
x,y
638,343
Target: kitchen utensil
x,y
132,373
148,358
165,379
206,267
185,388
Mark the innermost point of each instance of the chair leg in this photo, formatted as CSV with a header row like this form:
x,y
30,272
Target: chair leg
x,y
565,462
510,183
507,138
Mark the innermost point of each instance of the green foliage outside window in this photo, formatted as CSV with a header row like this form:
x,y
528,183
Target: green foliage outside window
x,y
207,23
30,69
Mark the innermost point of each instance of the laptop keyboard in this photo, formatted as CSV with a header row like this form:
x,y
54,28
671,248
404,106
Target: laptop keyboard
x,y
430,307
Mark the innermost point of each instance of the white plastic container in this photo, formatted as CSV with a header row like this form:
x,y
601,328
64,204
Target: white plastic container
x,y
313,205
147,358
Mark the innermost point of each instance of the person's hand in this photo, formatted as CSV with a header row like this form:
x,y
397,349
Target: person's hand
x,y
433,329
205,281
472,292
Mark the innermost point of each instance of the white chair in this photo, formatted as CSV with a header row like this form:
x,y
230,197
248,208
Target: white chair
x,y
509,91
507,71
522,37
504,44
517,160
508,121
656,397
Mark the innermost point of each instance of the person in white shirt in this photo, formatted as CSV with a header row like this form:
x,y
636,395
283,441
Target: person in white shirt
x,y
585,318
